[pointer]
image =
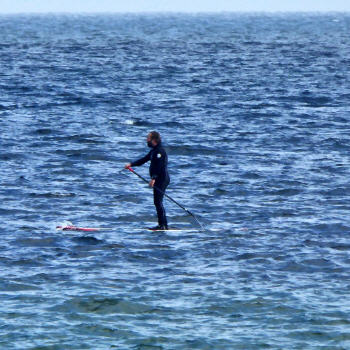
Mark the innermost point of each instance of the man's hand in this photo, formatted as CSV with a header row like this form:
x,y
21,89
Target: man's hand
x,y
127,166
151,183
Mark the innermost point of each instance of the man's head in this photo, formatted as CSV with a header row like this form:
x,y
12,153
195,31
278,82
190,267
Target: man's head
x,y
153,139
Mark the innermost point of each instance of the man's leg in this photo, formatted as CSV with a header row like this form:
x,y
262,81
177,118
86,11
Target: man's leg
x,y
158,202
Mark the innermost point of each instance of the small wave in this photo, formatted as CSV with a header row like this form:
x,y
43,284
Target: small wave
x,y
308,99
79,138
17,287
286,192
317,262
190,150
36,242
52,194
12,156
104,306
340,246
252,175
246,256
26,263
331,228
44,131
88,240
140,122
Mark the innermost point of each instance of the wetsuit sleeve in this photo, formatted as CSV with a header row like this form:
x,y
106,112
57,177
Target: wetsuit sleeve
x,y
142,160
159,164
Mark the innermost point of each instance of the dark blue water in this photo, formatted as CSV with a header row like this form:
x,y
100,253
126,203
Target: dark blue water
x,y
254,111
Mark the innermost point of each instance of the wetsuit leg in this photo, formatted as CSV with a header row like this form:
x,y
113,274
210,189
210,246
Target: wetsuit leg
x,y
158,202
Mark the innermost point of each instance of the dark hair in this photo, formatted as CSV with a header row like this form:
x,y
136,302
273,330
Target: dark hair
x,y
155,136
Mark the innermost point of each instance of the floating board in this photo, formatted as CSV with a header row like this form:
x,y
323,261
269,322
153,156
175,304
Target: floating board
x,y
70,227
173,230
76,228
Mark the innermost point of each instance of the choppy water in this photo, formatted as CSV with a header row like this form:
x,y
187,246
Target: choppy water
x,y
254,110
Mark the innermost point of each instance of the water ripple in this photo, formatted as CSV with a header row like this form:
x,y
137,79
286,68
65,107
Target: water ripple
x,y
253,111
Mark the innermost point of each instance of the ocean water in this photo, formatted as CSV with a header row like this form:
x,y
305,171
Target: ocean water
x,y
254,111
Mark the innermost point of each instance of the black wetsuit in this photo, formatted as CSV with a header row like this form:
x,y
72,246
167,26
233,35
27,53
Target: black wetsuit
x,y
158,171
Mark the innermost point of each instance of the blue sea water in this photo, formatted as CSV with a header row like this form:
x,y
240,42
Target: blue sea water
x,y
254,111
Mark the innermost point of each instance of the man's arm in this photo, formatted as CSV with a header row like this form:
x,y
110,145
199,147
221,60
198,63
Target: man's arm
x,y
140,161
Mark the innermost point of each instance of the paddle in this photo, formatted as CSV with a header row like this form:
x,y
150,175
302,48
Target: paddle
x,y
172,199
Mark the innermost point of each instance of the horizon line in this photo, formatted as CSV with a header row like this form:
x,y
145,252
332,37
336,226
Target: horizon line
x,y
177,12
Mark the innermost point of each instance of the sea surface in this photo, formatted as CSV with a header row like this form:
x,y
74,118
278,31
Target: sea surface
x,y
254,111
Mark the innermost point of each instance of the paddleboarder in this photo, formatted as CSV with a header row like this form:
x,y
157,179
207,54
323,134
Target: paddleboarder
x,y
158,171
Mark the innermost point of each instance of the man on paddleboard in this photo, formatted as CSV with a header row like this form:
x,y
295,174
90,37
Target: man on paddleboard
x,y
158,171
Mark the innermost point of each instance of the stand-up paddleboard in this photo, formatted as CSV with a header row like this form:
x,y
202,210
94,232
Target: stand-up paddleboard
x,y
70,227
76,228
174,229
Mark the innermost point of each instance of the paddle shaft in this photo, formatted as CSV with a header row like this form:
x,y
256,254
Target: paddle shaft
x,y
167,196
